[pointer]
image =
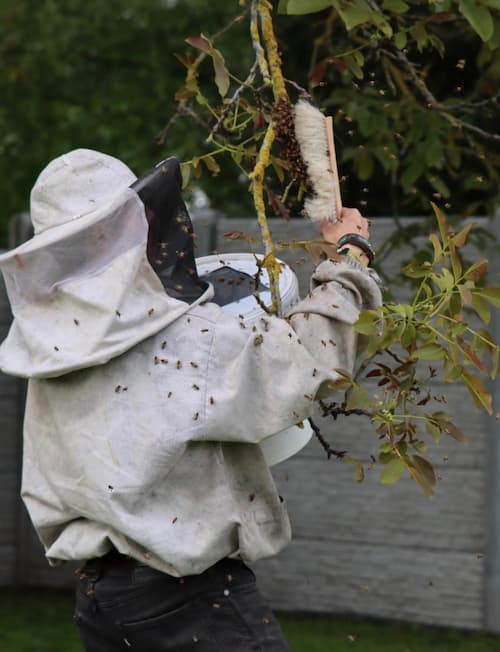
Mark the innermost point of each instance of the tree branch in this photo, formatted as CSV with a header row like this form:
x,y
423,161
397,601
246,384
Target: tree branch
x,y
330,452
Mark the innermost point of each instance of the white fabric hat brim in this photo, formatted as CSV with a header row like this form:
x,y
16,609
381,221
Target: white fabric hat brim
x,y
72,192
69,229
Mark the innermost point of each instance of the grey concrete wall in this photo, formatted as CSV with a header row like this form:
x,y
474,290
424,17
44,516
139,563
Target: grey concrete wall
x,y
371,549
364,548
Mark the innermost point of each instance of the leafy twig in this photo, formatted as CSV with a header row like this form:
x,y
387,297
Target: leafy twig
x,y
236,95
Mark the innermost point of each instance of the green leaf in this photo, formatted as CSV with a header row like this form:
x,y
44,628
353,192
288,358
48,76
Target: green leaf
x,y
494,4
396,6
409,335
237,156
455,304
385,458
417,270
481,396
478,17
301,7
439,185
494,42
353,66
359,56
354,13
384,25
400,39
357,397
196,168
451,371
186,173
367,322
402,447
402,309
392,471
221,73
400,329
420,35
482,309
211,164
490,294
438,44
444,281
429,352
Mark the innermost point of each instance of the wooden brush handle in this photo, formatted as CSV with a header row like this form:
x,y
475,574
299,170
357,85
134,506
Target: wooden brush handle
x,y
333,165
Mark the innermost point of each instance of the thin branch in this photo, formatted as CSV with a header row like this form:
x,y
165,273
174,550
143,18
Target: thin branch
x,y
433,103
330,452
188,110
393,356
257,188
160,138
480,132
248,81
334,410
257,45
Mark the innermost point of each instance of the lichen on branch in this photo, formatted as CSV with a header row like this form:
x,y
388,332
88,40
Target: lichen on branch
x,y
270,68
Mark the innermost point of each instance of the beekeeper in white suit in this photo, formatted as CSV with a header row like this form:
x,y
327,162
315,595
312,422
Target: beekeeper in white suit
x,y
147,403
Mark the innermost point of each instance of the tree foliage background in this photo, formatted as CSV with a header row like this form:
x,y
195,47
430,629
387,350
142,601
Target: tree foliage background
x,y
101,75
413,87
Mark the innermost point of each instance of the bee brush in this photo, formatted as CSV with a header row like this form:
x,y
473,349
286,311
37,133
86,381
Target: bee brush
x,y
314,134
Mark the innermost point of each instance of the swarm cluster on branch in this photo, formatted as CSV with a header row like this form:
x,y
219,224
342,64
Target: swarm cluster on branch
x,y
285,135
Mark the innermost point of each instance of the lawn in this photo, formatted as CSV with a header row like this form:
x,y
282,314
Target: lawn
x,y
41,621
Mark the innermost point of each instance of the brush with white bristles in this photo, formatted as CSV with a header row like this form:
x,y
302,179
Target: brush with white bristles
x,y
314,133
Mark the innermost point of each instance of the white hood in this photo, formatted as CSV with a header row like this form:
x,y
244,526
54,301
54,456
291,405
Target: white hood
x,y
82,290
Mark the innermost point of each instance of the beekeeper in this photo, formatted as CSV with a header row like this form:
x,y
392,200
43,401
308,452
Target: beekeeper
x,y
147,404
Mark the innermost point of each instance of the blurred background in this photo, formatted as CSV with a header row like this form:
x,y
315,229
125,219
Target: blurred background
x,y
103,75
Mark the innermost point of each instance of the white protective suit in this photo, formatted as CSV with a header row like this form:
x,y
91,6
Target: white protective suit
x,y
143,412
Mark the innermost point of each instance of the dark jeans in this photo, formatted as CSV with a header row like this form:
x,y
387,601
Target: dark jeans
x,y
121,605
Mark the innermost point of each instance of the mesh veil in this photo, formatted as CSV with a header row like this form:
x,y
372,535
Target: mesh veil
x,y
170,247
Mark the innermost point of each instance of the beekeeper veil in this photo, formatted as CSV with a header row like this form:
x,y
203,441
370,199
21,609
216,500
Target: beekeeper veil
x,y
170,246
82,290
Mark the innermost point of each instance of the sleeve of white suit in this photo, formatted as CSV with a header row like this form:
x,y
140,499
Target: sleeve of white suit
x,y
265,379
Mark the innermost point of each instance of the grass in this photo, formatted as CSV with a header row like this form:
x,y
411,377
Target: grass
x,y
341,634
41,621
